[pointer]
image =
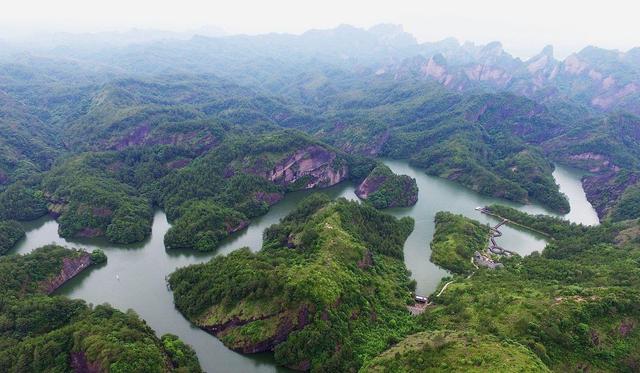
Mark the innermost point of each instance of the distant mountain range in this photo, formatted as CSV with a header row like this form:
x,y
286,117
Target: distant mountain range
x,y
598,78
374,92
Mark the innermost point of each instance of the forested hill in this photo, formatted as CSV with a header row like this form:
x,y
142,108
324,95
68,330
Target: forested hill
x,y
574,305
41,332
363,91
496,141
214,131
327,291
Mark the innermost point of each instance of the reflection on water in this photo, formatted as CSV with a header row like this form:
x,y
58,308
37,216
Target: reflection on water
x,y
134,276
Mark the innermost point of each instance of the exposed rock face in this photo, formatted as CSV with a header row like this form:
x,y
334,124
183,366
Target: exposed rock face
x,y
603,79
626,327
314,166
286,324
238,227
144,134
269,198
71,267
90,232
366,261
101,212
369,185
591,161
178,163
79,364
385,189
603,191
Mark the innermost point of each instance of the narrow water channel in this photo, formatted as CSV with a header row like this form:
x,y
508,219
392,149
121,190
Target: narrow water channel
x,y
134,276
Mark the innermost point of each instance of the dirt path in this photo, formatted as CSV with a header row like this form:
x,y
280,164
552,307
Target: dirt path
x,y
444,287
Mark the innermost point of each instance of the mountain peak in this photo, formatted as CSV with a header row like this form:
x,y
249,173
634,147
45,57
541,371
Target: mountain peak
x,y
547,51
392,34
386,28
495,47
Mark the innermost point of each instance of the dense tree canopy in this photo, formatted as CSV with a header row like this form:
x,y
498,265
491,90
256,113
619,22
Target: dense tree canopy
x,y
328,269
54,333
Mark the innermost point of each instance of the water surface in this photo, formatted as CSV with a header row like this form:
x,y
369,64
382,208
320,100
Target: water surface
x,y
581,210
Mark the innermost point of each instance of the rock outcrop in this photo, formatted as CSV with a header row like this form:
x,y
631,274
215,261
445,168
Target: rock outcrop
x,y
71,267
604,190
286,322
603,79
237,227
80,364
269,198
307,168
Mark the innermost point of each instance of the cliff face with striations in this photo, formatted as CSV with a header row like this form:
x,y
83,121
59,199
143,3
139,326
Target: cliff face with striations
x,y
604,190
71,267
285,322
307,168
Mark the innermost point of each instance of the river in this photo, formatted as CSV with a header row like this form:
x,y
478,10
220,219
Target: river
x,y
134,276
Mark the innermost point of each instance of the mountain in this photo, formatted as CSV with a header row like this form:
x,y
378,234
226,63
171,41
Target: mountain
x,y
100,130
601,79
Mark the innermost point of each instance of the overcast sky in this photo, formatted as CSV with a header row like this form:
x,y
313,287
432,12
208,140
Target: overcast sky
x,y
524,27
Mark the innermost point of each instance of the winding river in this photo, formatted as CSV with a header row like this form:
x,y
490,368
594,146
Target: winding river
x,y
134,276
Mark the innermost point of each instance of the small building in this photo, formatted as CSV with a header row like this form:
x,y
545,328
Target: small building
x,y
485,261
421,299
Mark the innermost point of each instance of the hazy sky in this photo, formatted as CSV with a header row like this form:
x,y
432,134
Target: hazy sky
x,y
524,27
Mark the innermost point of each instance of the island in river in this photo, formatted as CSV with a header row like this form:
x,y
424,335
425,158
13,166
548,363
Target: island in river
x,y
383,189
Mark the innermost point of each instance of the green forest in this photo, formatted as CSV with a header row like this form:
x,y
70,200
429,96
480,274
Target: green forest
x,y
383,189
41,332
330,269
573,304
100,135
455,240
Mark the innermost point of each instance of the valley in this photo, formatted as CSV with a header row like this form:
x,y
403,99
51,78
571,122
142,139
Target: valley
x,y
135,275
260,203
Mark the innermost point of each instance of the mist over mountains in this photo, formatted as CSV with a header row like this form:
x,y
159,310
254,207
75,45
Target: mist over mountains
x,y
103,131
597,78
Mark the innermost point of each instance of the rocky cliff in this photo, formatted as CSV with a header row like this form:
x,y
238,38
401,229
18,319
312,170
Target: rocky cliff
x,y
602,79
604,190
71,267
311,167
80,364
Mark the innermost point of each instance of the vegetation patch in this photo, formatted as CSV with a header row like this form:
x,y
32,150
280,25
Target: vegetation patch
x,y
446,351
10,233
455,240
330,277
54,333
382,188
